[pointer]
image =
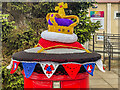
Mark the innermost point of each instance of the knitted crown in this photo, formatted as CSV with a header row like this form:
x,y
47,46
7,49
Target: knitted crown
x,y
59,22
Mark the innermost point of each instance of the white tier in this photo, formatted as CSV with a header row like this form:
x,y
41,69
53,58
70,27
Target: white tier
x,y
59,37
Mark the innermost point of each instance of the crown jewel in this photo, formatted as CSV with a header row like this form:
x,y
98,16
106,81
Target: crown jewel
x,y
59,22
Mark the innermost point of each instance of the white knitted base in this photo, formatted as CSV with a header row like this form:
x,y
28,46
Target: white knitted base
x,y
59,37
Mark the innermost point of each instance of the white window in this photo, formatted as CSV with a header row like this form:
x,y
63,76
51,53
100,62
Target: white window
x,y
116,14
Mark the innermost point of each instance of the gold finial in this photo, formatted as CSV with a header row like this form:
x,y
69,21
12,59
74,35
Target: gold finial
x,y
60,8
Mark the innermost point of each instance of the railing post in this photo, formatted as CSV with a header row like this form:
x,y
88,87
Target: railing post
x,y
109,62
93,43
112,52
104,47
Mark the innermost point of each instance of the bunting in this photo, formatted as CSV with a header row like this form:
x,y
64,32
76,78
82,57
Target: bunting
x,y
89,68
15,66
72,69
100,65
49,68
28,68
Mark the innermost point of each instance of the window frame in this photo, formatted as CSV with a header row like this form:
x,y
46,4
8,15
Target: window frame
x,y
115,12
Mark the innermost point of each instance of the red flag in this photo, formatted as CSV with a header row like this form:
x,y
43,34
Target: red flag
x,y
15,66
72,69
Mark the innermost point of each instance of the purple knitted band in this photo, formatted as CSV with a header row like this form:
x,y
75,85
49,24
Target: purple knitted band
x,y
61,22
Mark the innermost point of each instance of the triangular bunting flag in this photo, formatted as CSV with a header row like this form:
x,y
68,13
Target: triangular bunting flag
x,y
15,66
10,65
28,68
72,69
100,65
90,68
49,68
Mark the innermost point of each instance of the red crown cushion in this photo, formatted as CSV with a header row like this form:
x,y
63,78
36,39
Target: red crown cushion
x,y
46,43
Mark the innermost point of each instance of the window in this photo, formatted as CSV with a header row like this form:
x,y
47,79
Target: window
x,y
116,14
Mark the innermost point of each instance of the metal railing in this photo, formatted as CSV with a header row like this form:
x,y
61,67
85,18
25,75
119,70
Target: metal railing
x,y
109,46
108,49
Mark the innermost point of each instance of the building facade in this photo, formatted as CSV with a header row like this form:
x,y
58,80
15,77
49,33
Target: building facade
x,y
108,13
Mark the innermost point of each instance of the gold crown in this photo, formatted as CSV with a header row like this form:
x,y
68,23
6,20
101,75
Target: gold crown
x,y
61,14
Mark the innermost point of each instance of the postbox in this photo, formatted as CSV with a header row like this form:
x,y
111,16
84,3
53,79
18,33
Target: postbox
x,y
58,60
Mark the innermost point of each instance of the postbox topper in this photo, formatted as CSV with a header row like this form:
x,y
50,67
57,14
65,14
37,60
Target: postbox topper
x,y
58,50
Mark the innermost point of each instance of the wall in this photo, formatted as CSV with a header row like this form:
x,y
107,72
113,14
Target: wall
x,y
114,22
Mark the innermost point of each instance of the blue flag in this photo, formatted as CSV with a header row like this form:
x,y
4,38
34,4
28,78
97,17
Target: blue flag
x,y
28,68
90,68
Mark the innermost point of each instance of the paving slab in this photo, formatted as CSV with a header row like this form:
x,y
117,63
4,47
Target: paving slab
x,y
114,85
109,79
97,82
100,86
96,76
107,74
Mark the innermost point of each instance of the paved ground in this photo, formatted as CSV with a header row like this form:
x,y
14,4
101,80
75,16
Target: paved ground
x,y
109,79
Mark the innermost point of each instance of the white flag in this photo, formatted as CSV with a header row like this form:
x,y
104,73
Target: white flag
x,y
10,65
100,65
49,68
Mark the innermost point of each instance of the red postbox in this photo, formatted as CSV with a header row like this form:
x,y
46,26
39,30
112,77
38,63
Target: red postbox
x,y
60,81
